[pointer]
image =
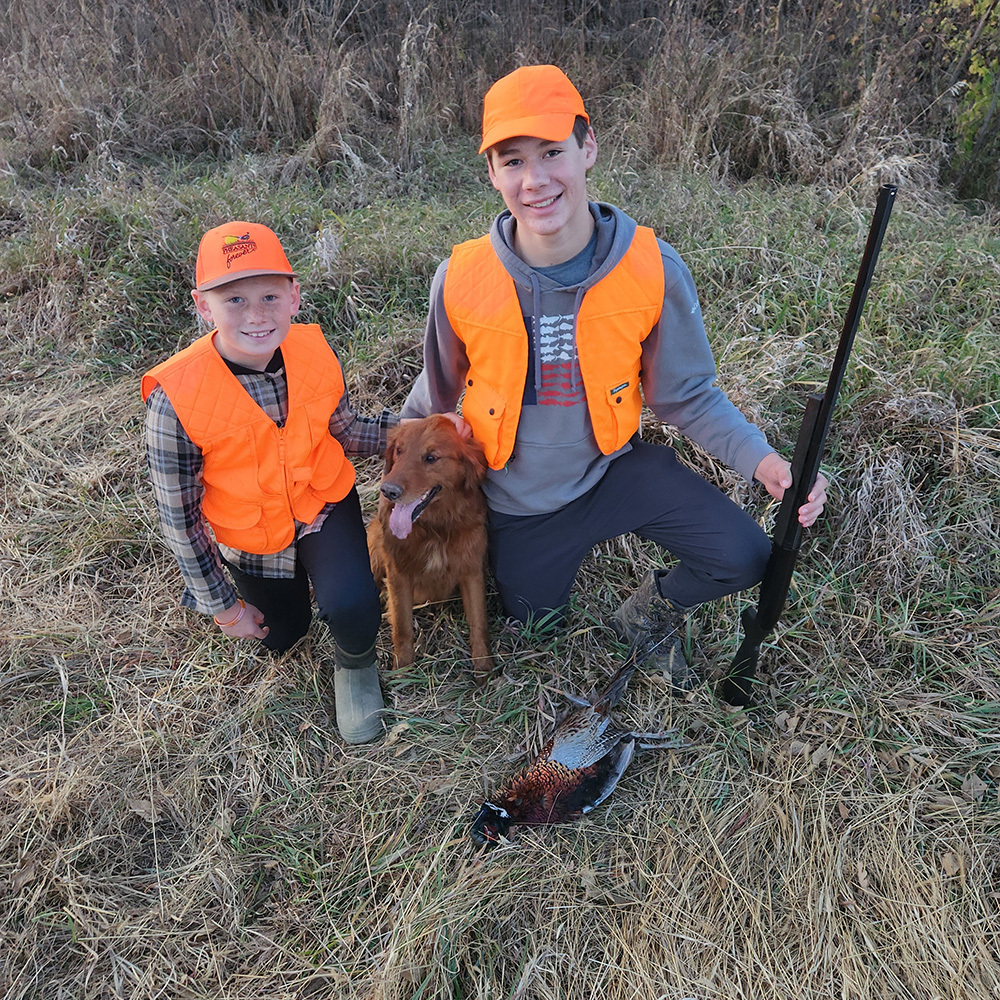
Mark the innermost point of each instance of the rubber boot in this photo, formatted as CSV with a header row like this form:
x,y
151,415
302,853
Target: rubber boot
x,y
358,696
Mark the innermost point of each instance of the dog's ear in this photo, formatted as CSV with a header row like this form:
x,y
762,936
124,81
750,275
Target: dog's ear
x,y
389,457
474,463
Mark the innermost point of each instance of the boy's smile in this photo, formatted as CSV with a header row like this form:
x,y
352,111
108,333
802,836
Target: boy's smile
x,y
251,316
544,185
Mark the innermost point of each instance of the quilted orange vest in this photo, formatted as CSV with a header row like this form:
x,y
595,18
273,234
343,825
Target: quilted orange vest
x,y
616,315
259,478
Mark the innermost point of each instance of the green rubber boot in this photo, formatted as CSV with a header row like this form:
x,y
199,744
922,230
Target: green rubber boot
x,y
358,696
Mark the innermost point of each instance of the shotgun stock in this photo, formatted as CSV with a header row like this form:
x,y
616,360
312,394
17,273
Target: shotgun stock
x,y
736,688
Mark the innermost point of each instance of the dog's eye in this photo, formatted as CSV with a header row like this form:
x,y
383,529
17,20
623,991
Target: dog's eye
x,y
430,457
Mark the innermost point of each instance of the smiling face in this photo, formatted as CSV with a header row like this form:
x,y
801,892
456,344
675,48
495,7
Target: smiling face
x,y
251,316
544,184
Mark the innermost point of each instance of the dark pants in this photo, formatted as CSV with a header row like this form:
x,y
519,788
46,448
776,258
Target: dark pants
x,y
335,560
720,548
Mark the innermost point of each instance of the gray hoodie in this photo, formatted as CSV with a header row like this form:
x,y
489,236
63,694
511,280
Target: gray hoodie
x,y
556,458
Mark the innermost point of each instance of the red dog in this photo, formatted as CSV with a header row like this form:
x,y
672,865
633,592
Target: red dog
x,y
429,537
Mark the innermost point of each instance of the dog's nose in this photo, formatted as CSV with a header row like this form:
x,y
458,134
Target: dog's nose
x,y
391,491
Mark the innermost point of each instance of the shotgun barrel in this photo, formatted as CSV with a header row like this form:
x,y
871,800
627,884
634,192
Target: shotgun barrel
x,y
736,688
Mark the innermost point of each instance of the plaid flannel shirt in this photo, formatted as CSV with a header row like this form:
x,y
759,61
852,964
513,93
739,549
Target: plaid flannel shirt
x,y
175,466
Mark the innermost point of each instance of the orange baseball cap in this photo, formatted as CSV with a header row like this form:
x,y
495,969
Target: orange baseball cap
x,y
538,101
238,250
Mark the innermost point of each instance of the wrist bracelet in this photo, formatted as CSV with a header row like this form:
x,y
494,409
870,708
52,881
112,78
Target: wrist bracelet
x,y
243,611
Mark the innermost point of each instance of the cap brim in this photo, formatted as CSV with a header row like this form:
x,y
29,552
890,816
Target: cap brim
x,y
229,278
551,128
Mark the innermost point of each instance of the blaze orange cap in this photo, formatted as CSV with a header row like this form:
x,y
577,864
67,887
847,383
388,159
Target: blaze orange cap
x,y
538,101
238,250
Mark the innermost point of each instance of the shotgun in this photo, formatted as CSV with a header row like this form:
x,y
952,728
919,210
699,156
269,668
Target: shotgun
x,y
737,685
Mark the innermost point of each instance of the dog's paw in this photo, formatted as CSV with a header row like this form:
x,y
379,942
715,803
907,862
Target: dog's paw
x,y
402,656
483,668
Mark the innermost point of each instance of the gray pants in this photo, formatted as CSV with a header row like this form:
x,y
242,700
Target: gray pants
x,y
720,549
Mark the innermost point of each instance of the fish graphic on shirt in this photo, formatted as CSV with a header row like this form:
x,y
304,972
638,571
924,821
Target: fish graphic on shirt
x,y
562,384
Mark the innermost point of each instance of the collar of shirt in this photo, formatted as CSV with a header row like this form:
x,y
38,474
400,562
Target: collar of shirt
x,y
274,366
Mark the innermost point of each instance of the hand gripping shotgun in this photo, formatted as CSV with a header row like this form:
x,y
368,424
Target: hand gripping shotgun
x,y
736,686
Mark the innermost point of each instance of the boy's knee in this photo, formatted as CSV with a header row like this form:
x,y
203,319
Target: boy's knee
x,y
353,617
753,554
286,632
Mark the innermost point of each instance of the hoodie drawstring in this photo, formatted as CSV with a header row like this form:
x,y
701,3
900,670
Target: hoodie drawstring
x,y
577,303
536,326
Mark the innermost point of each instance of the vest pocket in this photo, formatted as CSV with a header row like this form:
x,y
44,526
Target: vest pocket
x,y
484,408
307,504
235,522
324,478
625,403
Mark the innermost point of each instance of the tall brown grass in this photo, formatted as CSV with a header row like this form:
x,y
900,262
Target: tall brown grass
x,y
825,91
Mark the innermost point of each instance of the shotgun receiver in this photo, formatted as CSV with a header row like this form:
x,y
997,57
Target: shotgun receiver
x,y
736,686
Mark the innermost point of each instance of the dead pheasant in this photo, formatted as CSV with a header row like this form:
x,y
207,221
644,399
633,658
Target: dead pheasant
x,y
576,770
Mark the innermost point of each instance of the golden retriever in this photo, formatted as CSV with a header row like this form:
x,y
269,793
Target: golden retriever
x,y
429,537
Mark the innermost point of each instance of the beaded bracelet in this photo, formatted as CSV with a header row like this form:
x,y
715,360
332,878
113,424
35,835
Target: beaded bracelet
x,y
243,611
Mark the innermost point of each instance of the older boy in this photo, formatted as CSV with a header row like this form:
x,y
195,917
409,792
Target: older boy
x,y
550,325
248,431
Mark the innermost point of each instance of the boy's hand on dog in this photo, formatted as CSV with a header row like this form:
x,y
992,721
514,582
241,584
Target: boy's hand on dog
x,y
247,625
464,430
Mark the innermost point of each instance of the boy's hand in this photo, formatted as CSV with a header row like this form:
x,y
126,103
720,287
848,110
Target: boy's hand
x,y
464,430
775,475
242,621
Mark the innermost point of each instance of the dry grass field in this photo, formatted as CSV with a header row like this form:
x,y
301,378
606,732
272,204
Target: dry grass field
x,y
178,818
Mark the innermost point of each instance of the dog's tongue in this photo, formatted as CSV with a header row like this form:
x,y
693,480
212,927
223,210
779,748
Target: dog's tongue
x,y
401,518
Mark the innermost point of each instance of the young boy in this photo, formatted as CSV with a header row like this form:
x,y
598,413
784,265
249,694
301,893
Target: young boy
x,y
248,431
550,325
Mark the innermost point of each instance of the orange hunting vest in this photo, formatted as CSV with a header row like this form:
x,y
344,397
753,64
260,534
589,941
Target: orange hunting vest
x,y
260,478
616,315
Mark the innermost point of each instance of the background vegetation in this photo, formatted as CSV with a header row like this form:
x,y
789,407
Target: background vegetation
x,y
807,92
177,816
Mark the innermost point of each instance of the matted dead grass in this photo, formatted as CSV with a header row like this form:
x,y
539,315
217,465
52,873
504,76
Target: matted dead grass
x,y
178,818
